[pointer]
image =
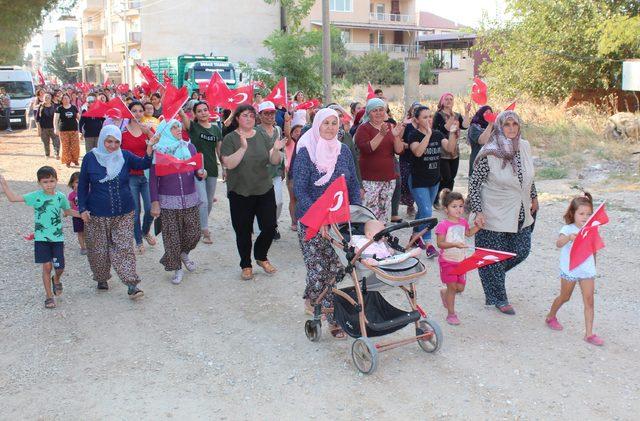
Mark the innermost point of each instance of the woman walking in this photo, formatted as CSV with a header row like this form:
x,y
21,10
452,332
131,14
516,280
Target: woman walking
x,y
175,200
378,143
65,122
134,140
474,134
320,159
207,139
245,154
503,195
106,207
44,121
443,120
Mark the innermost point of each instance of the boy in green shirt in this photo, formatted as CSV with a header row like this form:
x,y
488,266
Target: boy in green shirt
x,y
49,240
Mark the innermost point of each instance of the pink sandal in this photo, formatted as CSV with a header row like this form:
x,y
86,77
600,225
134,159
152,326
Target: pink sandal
x,y
594,340
553,324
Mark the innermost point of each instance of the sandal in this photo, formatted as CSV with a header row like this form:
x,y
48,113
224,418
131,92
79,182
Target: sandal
x,y
49,303
266,266
247,274
337,332
151,240
594,340
206,238
56,288
506,309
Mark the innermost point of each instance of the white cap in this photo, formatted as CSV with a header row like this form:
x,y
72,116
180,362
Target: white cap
x,y
299,119
266,106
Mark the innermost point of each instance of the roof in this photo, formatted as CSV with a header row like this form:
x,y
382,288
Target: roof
x,y
447,40
431,21
370,26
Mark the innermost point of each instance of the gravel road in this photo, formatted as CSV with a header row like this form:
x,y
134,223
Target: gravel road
x,y
219,348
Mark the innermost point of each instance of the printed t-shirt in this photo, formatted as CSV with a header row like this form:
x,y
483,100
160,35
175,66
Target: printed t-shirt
x,y
205,140
454,232
47,216
425,169
68,122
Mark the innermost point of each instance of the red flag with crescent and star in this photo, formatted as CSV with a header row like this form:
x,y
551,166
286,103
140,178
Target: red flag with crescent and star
x,y
588,240
278,94
168,164
236,97
370,92
330,208
481,257
479,91
216,92
173,100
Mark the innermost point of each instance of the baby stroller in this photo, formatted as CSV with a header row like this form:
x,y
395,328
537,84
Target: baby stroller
x,y
360,310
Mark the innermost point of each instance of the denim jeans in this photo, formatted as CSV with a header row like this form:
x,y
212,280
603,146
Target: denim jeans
x,y
206,191
424,197
139,186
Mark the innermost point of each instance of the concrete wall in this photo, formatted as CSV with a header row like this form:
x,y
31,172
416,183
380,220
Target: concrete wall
x,y
222,27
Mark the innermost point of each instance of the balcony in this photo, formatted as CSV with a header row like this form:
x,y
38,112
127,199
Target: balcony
x,y
391,18
392,49
94,56
91,5
94,29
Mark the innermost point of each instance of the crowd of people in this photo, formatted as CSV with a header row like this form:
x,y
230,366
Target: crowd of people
x,y
118,199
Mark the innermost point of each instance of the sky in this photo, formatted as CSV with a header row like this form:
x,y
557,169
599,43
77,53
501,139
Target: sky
x,y
466,12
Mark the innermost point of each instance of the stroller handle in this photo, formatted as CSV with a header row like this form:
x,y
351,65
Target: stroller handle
x,y
430,222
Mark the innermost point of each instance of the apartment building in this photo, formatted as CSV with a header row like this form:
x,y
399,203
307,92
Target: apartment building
x,y
55,30
390,26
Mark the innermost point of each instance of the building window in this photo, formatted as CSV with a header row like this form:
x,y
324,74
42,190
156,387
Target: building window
x,y
89,44
372,38
345,35
340,5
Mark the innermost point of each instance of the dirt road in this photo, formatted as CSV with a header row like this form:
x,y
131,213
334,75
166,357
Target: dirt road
x,y
219,348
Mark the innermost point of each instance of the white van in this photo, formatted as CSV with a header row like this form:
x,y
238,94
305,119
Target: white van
x,y
19,85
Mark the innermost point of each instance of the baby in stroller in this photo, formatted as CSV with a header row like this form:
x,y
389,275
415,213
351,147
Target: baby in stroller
x,y
377,253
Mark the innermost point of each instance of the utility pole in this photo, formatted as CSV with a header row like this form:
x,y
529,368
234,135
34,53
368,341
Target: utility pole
x,y
81,51
326,52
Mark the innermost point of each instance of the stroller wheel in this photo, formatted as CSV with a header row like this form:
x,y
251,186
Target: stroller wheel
x,y
365,355
313,330
435,342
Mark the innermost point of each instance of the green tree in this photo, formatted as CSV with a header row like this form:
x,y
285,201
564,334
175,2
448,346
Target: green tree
x,y
430,63
18,20
65,55
295,11
551,47
377,68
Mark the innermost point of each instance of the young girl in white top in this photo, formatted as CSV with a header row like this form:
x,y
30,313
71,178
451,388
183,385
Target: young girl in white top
x,y
576,216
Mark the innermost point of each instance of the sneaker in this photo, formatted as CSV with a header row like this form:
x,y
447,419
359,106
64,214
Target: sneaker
x,y
553,324
594,340
452,319
9,129
103,285
177,277
188,263
134,292
276,236
431,251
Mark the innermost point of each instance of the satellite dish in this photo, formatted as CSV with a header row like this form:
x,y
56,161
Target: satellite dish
x,y
134,54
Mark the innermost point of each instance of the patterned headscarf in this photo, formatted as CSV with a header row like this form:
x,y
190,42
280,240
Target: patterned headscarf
x,y
501,146
322,152
111,161
441,102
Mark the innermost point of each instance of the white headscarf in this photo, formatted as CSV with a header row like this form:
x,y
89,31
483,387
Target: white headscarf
x,y
322,152
111,161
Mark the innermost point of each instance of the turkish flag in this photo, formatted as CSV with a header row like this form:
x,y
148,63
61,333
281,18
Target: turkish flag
x,y
511,107
216,92
330,208
118,104
481,257
106,83
278,94
150,78
97,109
173,100
370,91
168,164
309,104
489,116
41,80
588,240
479,91
166,78
122,88
242,95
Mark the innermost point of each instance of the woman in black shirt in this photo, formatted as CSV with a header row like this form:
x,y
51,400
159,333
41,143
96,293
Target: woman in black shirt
x,y
44,120
66,124
427,146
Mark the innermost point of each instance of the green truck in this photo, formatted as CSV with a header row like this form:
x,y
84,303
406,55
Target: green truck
x,y
191,69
